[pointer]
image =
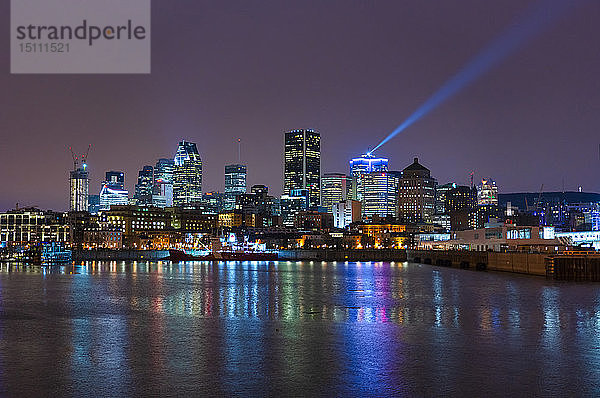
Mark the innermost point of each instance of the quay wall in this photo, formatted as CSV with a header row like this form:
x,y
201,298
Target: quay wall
x,y
522,263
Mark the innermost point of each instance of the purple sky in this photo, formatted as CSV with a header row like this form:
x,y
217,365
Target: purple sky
x,y
353,70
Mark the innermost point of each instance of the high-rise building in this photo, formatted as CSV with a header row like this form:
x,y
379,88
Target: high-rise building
x,y
79,188
440,196
334,189
380,194
93,204
163,170
235,184
144,186
487,192
346,213
162,192
302,169
364,164
187,176
416,194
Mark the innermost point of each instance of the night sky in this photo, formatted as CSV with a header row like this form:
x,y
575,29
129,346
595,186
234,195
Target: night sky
x,y
353,70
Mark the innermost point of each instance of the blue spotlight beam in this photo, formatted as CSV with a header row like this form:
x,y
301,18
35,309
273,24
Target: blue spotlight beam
x,y
532,23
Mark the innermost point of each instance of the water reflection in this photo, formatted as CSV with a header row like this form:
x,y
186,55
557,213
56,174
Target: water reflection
x,y
272,328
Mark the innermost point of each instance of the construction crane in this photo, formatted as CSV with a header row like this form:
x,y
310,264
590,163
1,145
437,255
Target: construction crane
x,y
537,203
83,158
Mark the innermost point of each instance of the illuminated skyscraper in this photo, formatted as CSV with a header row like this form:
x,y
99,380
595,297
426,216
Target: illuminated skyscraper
x,y
334,189
365,164
380,194
79,188
162,193
144,186
187,176
302,169
416,194
235,184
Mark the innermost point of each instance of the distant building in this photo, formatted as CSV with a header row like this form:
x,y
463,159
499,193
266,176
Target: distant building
x,y
93,204
334,189
235,184
487,192
112,197
302,168
162,192
380,194
187,176
364,164
292,205
115,180
416,194
79,189
346,213
313,221
440,196
144,186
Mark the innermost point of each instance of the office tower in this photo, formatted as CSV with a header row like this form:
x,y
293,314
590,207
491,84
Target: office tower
x,y
487,192
334,189
292,204
163,170
346,213
112,197
380,194
460,198
162,192
187,176
79,188
440,196
416,194
364,164
144,186
235,183
302,169
114,180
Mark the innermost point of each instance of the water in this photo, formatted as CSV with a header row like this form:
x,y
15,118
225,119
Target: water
x,y
281,329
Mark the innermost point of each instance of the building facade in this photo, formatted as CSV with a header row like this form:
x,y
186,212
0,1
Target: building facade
x,y
487,192
380,194
346,213
79,189
364,164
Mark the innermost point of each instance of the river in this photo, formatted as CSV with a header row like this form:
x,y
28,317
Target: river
x,y
294,328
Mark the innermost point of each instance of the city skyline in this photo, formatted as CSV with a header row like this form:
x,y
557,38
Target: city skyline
x,y
354,88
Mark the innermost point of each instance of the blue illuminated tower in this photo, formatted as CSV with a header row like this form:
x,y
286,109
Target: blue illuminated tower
x,y
367,163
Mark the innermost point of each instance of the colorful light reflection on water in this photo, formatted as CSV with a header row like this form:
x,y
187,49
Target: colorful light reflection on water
x,y
306,328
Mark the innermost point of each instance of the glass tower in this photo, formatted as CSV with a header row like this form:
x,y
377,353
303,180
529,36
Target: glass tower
x,y
302,169
187,176
79,189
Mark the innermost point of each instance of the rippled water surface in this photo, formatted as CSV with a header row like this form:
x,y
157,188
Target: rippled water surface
x,y
280,329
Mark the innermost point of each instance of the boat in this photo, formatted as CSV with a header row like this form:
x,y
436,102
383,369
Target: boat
x,y
54,253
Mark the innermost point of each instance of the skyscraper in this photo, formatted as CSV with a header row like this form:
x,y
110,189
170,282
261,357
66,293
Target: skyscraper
x,y
235,184
302,169
163,170
162,193
187,176
416,194
334,189
365,164
144,186
79,188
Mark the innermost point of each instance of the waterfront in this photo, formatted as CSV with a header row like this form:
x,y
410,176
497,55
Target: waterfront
x,y
312,329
